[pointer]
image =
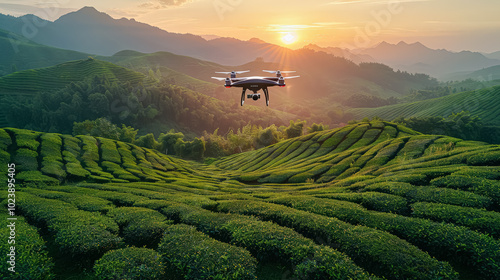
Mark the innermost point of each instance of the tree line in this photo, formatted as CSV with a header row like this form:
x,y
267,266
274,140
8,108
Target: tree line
x,y
131,105
249,137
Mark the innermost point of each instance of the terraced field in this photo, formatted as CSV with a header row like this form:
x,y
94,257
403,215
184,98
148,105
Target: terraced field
x,y
55,77
367,201
484,103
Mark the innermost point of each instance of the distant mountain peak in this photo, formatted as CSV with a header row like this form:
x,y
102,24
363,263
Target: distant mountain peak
x,y
88,9
86,13
257,40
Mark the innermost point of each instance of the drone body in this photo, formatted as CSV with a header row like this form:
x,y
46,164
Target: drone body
x,y
255,83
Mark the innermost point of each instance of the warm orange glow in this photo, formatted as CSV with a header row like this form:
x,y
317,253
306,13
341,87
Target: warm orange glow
x,y
289,38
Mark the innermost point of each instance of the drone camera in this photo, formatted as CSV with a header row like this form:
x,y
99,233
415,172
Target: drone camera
x,y
256,97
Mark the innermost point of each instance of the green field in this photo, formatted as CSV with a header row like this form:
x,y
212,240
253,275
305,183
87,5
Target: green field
x,y
484,103
366,201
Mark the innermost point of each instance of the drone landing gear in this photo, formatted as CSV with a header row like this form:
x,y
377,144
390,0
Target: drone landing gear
x,y
266,93
243,96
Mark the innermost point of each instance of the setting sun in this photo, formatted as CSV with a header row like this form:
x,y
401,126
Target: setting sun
x,y
289,38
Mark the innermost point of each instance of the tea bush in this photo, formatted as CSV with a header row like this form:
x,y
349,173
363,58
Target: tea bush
x,y
141,226
195,255
130,263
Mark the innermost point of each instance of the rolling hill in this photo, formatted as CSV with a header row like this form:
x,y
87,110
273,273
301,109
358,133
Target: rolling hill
x,y
325,80
33,81
483,103
61,75
487,74
19,53
367,201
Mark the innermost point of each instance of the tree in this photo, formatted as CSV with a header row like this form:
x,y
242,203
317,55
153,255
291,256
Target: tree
x,y
196,148
268,136
295,129
317,127
128,134
101,127
147,141
168,141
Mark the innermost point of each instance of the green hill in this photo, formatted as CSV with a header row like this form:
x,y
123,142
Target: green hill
x,y
484,103
61,75
19,53
367,201
486,74
195,67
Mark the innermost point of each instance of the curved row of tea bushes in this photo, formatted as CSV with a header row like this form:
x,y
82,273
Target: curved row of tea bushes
x,y
485,158
477,219
135,192
478,251
485,172
377,251
431,194
116,197
76,232
26,138
30,254
140,226
414,147
70,154
481,186
109,150
268,241
373,200
52,161
82,202
130,263
195,255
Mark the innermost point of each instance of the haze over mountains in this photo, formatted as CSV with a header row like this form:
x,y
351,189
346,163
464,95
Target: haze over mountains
x,y
90,31
417,58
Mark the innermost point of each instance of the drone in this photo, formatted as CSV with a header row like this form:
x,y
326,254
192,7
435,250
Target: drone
x,y
254,83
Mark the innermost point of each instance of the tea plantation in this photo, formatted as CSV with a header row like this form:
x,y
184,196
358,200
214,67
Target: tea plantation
x,y
484,103
366,201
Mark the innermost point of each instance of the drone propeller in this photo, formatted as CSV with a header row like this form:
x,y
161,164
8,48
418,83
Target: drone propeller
x,y
233,72
279,72
219,79
292,77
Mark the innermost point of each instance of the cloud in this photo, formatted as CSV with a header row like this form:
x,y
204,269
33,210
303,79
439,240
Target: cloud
x,y
296,27
371,2
158,4
117,12
173,2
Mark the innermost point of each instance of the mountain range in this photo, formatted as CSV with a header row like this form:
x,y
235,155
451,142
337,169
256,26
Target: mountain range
x,y
90,31
417,58
345,53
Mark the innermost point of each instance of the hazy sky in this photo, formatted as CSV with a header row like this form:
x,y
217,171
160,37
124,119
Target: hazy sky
x,y
451,24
